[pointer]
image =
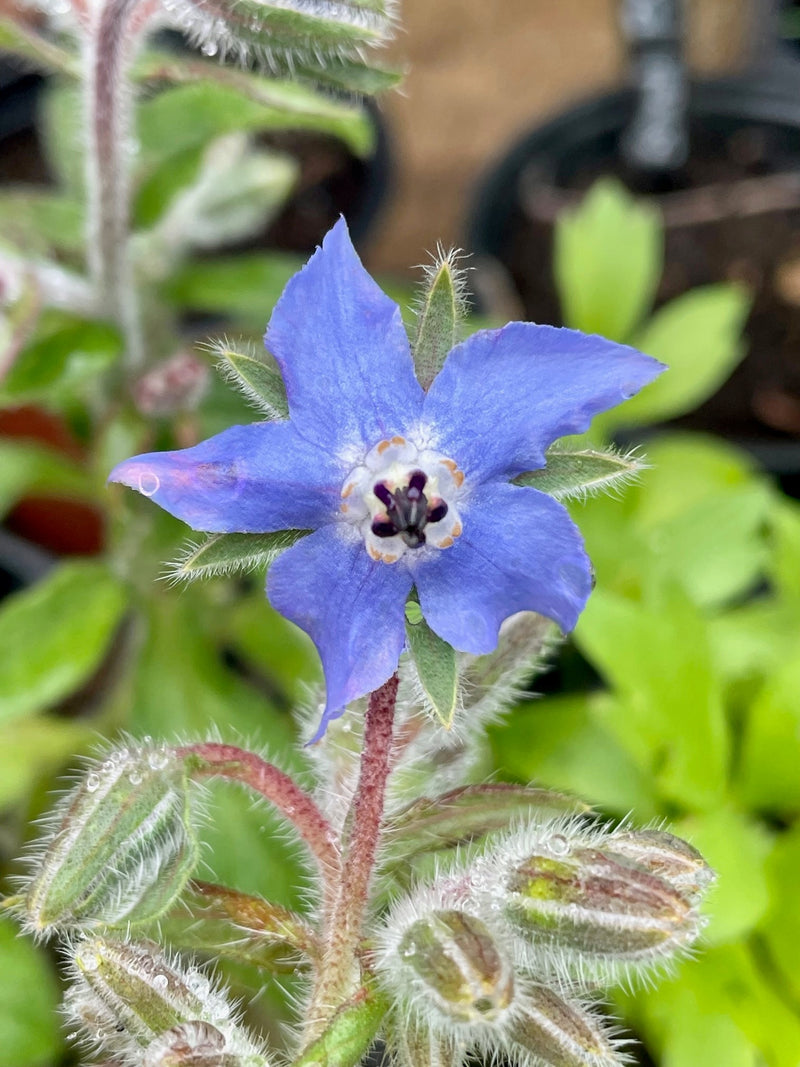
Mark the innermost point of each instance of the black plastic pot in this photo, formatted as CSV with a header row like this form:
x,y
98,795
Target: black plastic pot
x,y
744,139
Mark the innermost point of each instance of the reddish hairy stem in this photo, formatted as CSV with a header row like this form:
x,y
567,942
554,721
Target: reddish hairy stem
x,y
345,919
236,764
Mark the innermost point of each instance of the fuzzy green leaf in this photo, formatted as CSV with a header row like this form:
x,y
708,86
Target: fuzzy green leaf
x,y
233,553
575,474
437,321
435,661
54,634
467,813
608,256
247,286
260,381
65,356
236,101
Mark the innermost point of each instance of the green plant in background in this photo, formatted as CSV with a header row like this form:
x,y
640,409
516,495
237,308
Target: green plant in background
x,y
694,632
155,163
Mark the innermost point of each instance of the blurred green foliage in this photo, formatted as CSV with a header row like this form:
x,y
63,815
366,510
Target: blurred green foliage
x,y
693,640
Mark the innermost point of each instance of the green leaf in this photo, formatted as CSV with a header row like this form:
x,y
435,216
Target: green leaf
x,y
570,474
259,380
737,848
781,927
60,117
65,355
657,657
39,222
28,468
698,336
274,647
30,1034
54,635
438,315
561,742
608,256
770,756
247,286
232,553
723,983
437,669
469,812
31,749
237,101
785,556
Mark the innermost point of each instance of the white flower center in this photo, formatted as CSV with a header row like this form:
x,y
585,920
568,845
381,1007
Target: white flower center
x,y
403,498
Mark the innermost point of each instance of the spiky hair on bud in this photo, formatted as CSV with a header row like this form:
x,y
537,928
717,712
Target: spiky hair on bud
x,y
139,1004
118,847
453,261
583,910
294,35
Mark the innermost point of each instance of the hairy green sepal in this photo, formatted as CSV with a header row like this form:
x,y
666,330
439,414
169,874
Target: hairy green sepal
x,y
261,382
436,665
350,1033
569,474
233,554
467,813
436,323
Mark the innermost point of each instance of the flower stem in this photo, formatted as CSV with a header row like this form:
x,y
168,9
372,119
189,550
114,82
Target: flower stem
x,y
110,45
213,760
344,920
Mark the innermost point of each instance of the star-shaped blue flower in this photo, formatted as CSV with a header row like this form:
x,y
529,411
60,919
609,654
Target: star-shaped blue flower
x,y
400,487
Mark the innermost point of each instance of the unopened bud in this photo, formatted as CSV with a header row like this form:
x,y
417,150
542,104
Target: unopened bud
x,y
666,856
455,963
135,1002
177,384
560,1032
121,845
588,906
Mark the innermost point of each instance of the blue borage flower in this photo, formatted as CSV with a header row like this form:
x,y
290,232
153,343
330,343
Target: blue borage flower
x,y
401,488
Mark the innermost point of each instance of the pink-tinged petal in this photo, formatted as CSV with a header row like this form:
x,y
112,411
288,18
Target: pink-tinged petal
x,y
352,608
343,351
504,396
248,479
518,551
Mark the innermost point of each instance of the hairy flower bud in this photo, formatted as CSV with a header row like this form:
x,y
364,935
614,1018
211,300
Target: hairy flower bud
x,y
133,1001
565,1033
666,856
120,847
449,961
577,904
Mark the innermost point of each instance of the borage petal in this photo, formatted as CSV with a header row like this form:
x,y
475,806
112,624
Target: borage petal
x,y
248,479
352,608
343,351
504,396
519,551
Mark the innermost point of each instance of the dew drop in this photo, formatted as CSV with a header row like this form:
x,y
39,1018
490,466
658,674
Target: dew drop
x,y
198,984
92,782
209,48
135,776
88,961
160,982
158,760
147,739
149,483
559,845
408,952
